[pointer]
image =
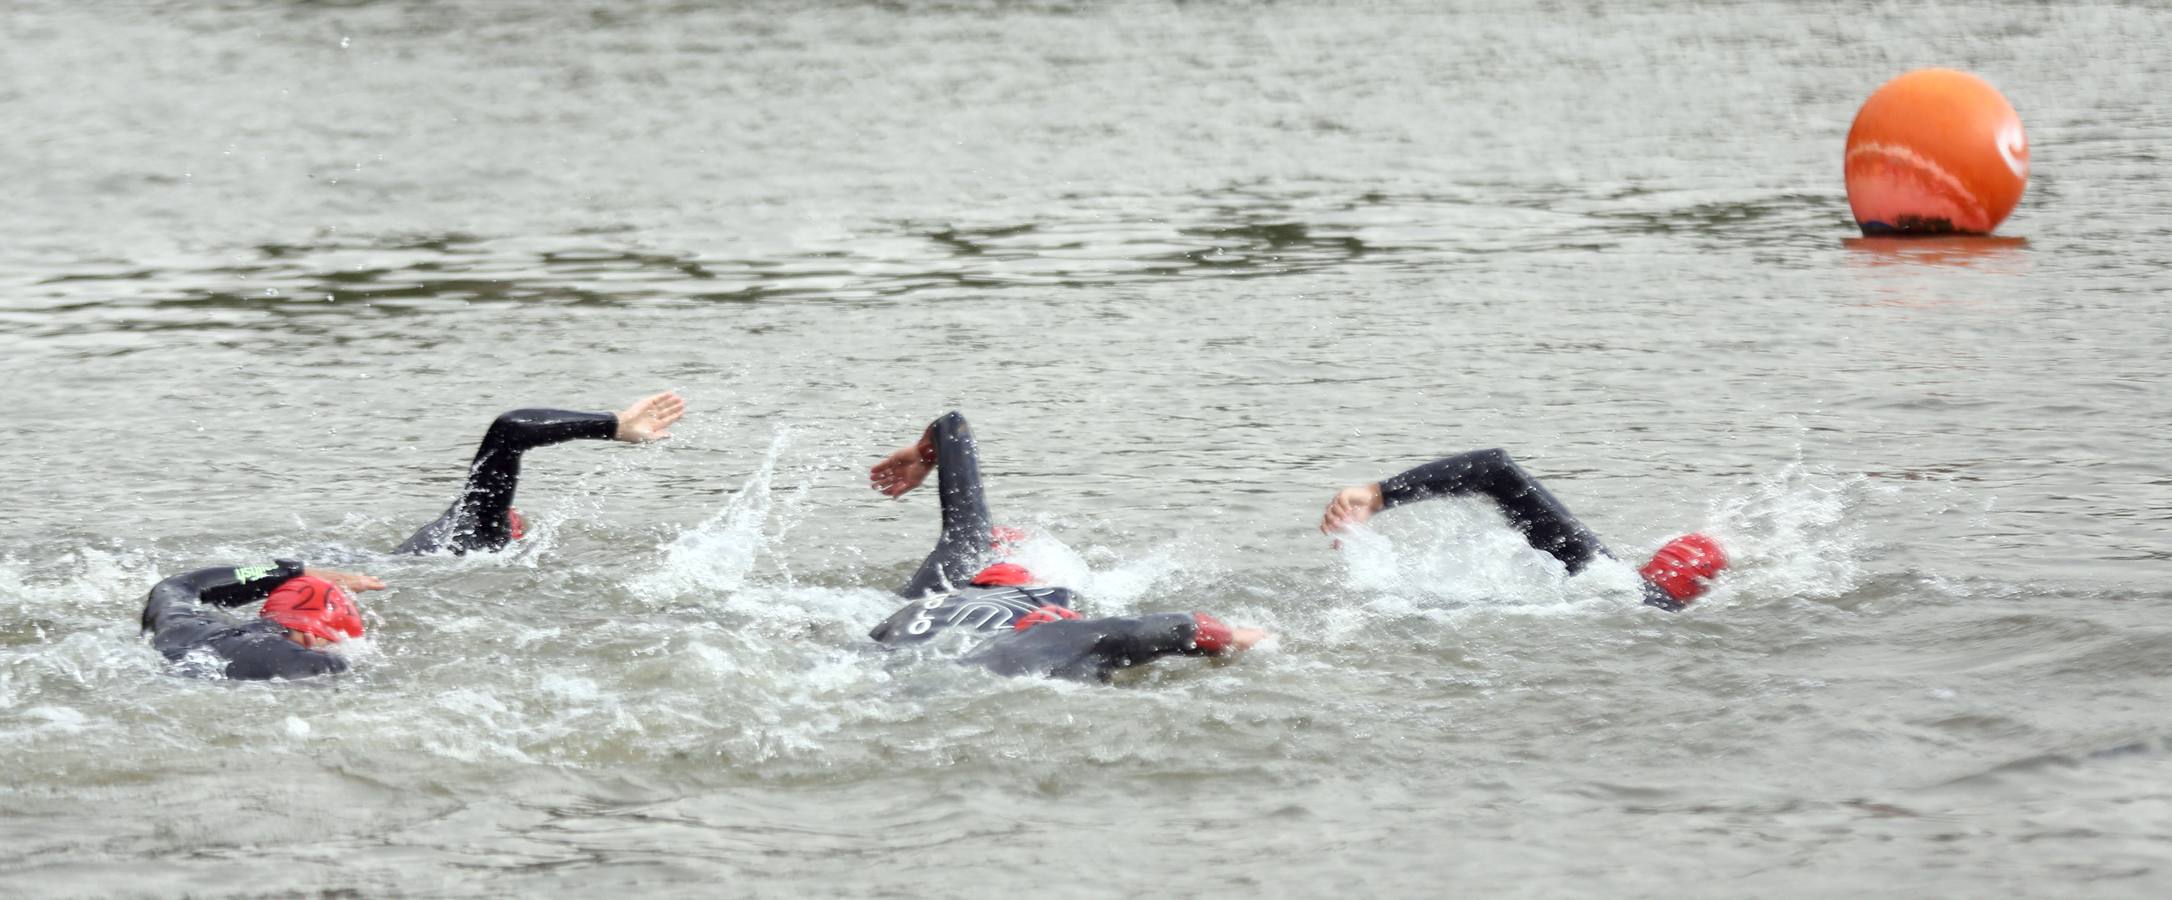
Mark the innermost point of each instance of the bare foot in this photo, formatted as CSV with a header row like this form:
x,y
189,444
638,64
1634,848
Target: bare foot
x,y
650,418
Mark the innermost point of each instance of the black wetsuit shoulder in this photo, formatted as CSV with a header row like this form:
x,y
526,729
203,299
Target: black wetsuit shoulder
x,y
185,626
1086,649
978,610
477,519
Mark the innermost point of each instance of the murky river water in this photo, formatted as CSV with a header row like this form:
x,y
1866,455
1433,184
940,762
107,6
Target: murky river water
x,y
270,268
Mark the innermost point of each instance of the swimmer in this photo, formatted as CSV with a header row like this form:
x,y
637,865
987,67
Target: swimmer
x,y
483,518
1022,627
1678,573
305,610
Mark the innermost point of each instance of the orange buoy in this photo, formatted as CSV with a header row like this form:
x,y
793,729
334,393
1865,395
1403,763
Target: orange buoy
x,y
1935,151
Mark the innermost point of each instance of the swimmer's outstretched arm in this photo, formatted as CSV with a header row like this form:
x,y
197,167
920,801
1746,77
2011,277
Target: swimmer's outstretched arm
x,y
236,586
946,447
1094,649
1161,634
478,520
1544,522
1679,572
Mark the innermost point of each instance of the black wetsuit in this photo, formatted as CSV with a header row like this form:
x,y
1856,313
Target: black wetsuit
x,y
944,603
477,520
980,610
1087,649
204,641
1544,522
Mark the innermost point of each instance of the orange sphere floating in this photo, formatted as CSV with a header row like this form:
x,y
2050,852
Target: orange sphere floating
x,y
1935,151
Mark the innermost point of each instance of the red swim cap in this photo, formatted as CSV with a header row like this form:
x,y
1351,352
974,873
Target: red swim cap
x,y
1049,613
314,606
1685,566
1212,635
515,524
1003,574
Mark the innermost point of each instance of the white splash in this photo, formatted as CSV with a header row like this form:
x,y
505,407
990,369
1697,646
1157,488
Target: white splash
x,y
1795,533
721,553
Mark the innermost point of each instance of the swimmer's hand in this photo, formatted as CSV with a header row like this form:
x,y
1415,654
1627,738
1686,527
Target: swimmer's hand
x,y
1351,507
351,582
1242,639
649,418
904,469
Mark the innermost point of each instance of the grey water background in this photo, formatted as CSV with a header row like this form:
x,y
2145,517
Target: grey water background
x,y
269,269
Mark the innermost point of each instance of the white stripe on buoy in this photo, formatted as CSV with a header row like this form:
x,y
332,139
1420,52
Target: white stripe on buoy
x,y
1919,161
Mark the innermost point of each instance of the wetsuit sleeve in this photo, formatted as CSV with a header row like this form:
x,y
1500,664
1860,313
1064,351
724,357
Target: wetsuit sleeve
x,y
1544,522
265,655
1128,641
222,586
477,520
968,534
